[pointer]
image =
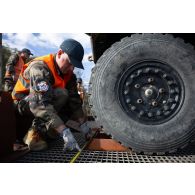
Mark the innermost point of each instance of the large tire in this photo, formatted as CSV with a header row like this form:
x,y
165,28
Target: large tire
x,y
166,136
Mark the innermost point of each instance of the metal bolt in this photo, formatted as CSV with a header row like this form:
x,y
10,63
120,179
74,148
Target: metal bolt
x,y
132,76
164,75
141,113
171,100
147,70
166,108
126,92
150,80
139,101
137,86
127,83
161,90
170,82
177,90
150,114
156,70
133,108
148,92
139,71
164,102
158,113
128,100
154,103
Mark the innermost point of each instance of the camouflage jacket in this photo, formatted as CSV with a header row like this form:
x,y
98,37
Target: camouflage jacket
x,y
38,72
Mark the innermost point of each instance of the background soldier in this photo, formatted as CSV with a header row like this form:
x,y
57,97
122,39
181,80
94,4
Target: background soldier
x,y
13,67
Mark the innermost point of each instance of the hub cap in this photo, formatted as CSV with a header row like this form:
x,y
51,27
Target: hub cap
x,y
150,92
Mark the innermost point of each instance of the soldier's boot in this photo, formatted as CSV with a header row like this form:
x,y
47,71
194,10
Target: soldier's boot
x,y
34,140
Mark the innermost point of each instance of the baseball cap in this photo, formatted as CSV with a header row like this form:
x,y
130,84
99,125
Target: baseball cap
x,y
75,52
25,50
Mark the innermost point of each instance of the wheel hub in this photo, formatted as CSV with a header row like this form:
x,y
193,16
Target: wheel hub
x,y
150,92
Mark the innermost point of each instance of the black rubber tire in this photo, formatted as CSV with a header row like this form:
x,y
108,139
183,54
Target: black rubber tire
x,y
166,137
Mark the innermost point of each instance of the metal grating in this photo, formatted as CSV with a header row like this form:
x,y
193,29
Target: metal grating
x,y
54,153
126,157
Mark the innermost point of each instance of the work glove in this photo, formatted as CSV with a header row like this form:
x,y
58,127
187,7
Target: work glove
x,y
22,106
70,144
86,130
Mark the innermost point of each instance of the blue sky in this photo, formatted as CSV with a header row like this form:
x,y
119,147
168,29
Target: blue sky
x,y
45,43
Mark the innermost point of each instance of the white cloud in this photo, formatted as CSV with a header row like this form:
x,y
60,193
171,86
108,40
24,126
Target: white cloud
x,y
45,41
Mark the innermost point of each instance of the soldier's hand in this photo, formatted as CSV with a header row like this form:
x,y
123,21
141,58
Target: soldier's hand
x,y
8,86
70,144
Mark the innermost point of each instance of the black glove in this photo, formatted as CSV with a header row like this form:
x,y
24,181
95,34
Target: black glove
x,y
8,86
22,106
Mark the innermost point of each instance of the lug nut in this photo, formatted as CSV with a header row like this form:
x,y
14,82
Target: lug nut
x,y
164,102
137,86
150,80
172,91
161,90
139,101
156,70
154,103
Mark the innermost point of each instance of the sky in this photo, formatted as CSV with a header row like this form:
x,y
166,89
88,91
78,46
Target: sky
x,y
44,43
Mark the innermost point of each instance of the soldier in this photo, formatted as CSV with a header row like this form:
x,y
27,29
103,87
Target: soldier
x,y
47,89
13,68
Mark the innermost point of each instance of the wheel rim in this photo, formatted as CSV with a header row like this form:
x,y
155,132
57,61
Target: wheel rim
x,y
151,92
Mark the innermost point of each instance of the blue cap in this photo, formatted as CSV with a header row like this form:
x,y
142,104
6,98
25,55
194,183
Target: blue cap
x,y
75,52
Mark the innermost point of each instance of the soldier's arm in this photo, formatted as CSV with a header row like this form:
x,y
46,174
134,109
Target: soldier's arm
x,y
41,94
74,101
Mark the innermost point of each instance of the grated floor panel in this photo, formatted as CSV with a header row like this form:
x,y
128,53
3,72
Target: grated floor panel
x,y
55,154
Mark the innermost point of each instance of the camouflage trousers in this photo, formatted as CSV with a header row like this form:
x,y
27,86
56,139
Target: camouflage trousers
x,y
52,115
